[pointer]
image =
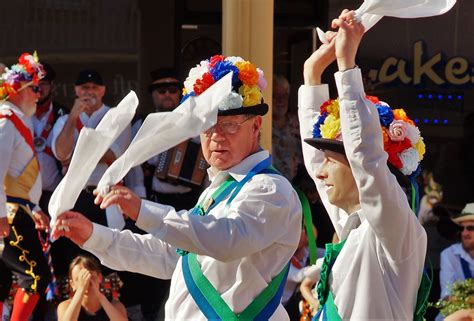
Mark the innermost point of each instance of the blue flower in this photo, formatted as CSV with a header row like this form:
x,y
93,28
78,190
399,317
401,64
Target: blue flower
x,y
316,130
222,68
385,114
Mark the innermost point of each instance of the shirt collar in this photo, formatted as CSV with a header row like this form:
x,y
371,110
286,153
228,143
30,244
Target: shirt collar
x,y
14,108
239,171
459,250
99,111
349,223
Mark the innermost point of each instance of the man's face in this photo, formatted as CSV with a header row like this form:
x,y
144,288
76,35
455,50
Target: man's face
x,y
166,98
467,237
26,99
223,149
94,92
340,184
280,101
46,87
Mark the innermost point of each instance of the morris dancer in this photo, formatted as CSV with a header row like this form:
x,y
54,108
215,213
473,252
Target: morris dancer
x,y
20,215
362,147
236,243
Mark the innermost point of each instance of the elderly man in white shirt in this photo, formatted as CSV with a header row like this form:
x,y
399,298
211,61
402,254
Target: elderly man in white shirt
x,y
237,249
376,270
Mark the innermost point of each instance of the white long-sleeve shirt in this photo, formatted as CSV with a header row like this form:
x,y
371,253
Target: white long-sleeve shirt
x,y
118,147
15,154
451,269
239,250
377,274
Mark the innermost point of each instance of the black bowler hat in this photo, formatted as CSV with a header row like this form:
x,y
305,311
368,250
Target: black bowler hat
x,y
50,73
89,75
163,73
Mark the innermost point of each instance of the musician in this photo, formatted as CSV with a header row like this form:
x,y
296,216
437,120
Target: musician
x,y
20,215
241,235
87,111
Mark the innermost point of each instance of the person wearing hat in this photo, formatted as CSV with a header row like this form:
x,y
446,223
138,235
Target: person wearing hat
x,y
235,245
87,111
457,261
20,215
360,156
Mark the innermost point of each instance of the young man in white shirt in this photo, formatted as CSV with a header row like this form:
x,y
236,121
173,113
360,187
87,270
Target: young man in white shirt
x,y
376,270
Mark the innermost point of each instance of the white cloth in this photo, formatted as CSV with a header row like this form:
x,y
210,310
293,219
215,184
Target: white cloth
x,y
240,250
371,11
451,270
377,274
50,173
107,128
15,154
162,130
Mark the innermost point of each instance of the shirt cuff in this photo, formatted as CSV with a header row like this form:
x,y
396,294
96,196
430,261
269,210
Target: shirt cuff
x,y
100,239
349,81
311,97
151,215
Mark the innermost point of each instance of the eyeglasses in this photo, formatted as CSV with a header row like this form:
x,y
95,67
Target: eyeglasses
x,y
469,228
35,89
170,89
227,127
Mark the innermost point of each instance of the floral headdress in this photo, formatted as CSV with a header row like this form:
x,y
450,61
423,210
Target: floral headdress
x,y
28,70
248,84
401,139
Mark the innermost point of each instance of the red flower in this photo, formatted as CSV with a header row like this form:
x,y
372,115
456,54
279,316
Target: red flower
x,y
394,148
324,106
202,84
373,99
215,59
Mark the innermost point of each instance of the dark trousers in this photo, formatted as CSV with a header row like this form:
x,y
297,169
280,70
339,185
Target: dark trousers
x,y
23,254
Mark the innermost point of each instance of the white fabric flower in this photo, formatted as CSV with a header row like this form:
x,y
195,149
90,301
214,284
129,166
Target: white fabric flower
x,y
410,160
232,101
397,130
195,74
413,134
234,59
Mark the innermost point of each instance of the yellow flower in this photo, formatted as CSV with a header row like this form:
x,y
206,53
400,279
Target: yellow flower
x,y
333,108
331,127
252,95
420,147
184,92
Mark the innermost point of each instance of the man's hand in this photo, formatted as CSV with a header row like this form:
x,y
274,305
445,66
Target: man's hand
x,y
74,226
128,202
349,34
41,221
317,63
4,227
80,105
461,315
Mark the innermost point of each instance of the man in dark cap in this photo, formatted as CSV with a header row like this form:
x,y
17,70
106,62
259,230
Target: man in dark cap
x,y
87,111
165,89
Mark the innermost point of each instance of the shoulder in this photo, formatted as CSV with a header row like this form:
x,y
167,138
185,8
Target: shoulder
x,y
451,250
271,184
63,305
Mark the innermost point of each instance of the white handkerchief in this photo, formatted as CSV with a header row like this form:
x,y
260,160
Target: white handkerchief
x,y
161,131
90,147
371,11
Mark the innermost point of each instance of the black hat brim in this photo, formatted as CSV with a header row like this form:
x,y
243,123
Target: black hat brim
x,y
260,110
155,86
338,147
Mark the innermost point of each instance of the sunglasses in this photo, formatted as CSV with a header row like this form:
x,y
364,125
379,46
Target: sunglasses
x,y
35,89
469,228
170,89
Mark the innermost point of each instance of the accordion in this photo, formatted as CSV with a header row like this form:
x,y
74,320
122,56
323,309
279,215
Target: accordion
x,y
183,164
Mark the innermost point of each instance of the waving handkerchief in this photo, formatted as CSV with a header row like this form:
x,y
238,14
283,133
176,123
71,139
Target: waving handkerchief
x,y
163,130
91,146
371,11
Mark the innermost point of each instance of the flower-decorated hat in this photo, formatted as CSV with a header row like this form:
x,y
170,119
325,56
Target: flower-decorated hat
x,y
467,214
248,84
28,71
401,137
